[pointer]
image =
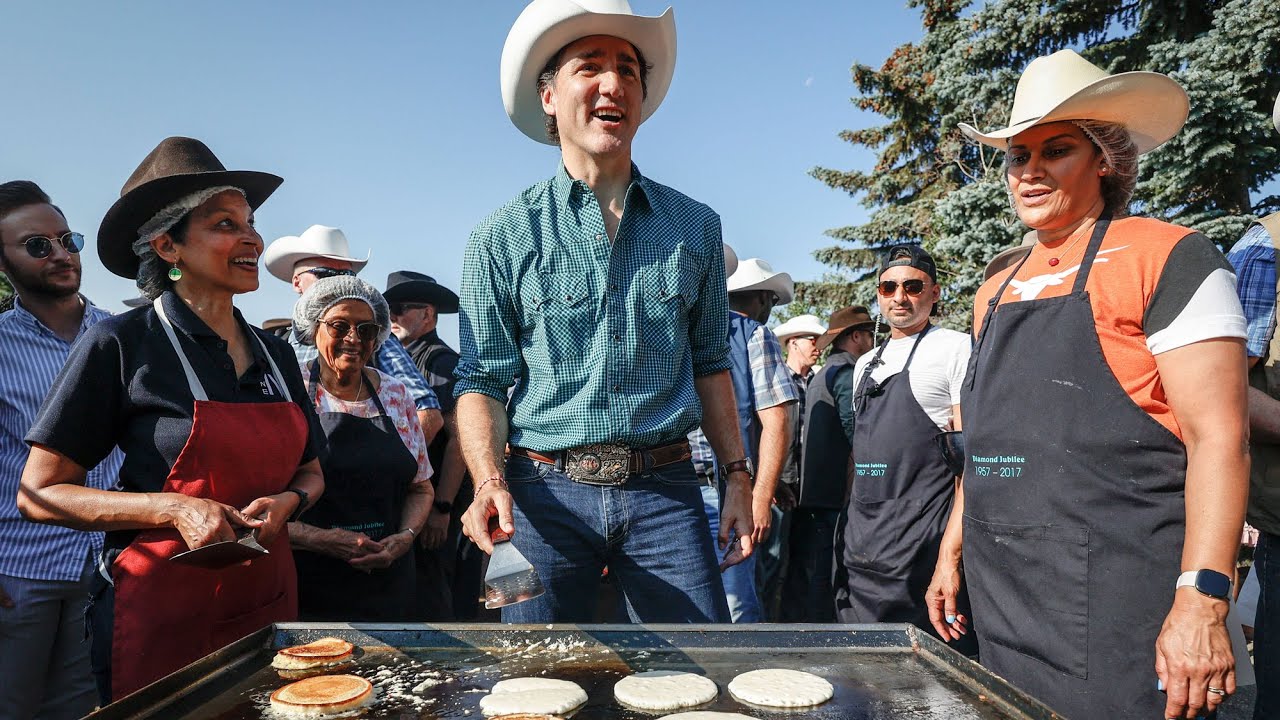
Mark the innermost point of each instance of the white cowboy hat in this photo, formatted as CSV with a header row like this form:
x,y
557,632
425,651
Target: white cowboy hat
x,y
1065,86
1010,256
730,260
546,26
756,274
316,241
1275,114
799,325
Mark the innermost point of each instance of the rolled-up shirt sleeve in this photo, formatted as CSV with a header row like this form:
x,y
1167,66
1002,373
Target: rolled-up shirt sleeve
x,y
709,317
487,323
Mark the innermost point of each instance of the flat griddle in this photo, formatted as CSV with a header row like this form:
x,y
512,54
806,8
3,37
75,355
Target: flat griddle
x,y
879,671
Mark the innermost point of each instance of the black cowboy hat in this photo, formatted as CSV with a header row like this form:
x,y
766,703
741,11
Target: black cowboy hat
x,y
177,167
409,286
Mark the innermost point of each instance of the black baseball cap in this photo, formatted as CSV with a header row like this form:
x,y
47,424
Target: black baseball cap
x,y
912,256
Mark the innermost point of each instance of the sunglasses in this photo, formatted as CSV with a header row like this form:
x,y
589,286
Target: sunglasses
x,y
400,308
324,272
889,288
365,331
39,247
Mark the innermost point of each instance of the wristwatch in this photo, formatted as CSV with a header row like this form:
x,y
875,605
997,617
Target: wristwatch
x,y
444,507
302,505
744,465
1206,582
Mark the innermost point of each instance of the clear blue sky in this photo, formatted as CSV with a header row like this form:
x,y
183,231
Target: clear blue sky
x,y
385,118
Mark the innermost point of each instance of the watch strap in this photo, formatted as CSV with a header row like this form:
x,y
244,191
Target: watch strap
x,y
1192,578
302,503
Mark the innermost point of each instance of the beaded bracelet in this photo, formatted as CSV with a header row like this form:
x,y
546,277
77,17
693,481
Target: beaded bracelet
x,y
488,480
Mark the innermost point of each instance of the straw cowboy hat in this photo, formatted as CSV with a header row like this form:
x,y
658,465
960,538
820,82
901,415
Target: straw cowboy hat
x,y
176,168
730,260
1010,256
546,26
409,286
799,325
316,241
1065,86
854,317
1275,114
756,274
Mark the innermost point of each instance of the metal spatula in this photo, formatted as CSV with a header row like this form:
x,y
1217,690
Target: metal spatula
x,y
510,578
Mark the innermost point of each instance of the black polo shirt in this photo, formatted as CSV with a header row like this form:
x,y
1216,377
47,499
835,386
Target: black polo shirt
x,y
436,361
123,385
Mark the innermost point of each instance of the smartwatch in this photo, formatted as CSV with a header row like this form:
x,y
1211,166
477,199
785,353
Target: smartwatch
x,y
743,465
1206,582
302,505
444,507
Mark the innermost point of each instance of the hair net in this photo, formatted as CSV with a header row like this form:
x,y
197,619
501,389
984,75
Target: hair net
x,y
327,292
170,214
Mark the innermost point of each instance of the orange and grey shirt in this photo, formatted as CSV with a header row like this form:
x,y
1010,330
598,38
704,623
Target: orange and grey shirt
x,y
1154,287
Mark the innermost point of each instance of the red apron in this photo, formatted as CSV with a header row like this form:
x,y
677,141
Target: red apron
x,y
167,615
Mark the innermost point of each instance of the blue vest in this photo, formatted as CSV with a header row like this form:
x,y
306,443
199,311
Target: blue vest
x,y
741,328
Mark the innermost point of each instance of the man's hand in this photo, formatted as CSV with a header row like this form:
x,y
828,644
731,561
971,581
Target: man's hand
x,y
761,518
736,526
435,531
492,500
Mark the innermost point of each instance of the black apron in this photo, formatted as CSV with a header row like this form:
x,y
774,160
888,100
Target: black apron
x,y
898,507
367,474
1074,512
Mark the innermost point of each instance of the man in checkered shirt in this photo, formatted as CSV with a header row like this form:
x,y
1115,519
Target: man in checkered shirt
x,y
599,294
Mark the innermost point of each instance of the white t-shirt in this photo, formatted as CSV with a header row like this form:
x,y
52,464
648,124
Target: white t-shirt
x,y
937,370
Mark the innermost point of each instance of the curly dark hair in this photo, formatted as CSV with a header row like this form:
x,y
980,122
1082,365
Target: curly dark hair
x,y
548,77
17,194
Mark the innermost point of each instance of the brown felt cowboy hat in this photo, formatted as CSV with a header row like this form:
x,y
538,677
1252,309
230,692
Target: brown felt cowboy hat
x,y
854,317
176,168
408,286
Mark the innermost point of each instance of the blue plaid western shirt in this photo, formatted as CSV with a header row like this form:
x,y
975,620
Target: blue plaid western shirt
x,y
1254,259
601,341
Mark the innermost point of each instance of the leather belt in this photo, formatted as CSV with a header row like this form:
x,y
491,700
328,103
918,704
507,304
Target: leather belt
x,y
608,463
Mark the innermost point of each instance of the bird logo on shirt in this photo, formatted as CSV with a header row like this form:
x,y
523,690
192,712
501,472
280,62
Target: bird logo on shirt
x,y
1031,288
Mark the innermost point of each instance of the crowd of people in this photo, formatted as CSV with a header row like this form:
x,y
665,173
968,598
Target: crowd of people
x,y
1059,494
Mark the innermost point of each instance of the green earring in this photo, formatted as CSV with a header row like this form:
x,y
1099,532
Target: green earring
x,y
175,274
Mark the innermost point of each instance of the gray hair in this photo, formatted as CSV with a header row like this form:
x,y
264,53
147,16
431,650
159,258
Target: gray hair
x,y
153,271
327,292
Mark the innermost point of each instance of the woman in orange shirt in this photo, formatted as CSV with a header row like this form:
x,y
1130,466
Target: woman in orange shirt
x,y
1105,420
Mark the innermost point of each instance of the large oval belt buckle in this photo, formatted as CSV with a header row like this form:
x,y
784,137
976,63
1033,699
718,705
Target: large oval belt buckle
x,y
599,464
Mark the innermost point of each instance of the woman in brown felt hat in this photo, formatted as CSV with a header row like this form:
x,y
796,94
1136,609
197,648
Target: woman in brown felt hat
x,y
219,436
1104,419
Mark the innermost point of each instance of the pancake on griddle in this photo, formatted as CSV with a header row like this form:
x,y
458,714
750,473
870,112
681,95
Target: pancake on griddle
x,y
321,653
322,695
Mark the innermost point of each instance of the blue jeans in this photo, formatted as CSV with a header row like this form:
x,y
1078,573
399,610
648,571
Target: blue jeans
x,y
1266,629
651,533
739,580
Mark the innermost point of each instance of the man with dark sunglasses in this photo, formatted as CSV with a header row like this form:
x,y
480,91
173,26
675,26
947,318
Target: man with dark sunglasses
x,y
322,252
44,569
905,394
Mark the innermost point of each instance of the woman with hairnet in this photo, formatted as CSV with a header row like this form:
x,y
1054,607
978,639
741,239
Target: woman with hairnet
x,y
354,547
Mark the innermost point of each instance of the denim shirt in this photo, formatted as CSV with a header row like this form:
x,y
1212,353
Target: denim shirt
x,y
601,341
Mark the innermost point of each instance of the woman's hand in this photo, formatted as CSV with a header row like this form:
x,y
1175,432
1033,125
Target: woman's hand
x,y
393,548
940,597
274,511
1193,654
435,531
204,522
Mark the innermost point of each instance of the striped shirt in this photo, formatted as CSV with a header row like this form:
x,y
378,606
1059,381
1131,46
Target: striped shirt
x,y
33,355
604,338
1254,259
